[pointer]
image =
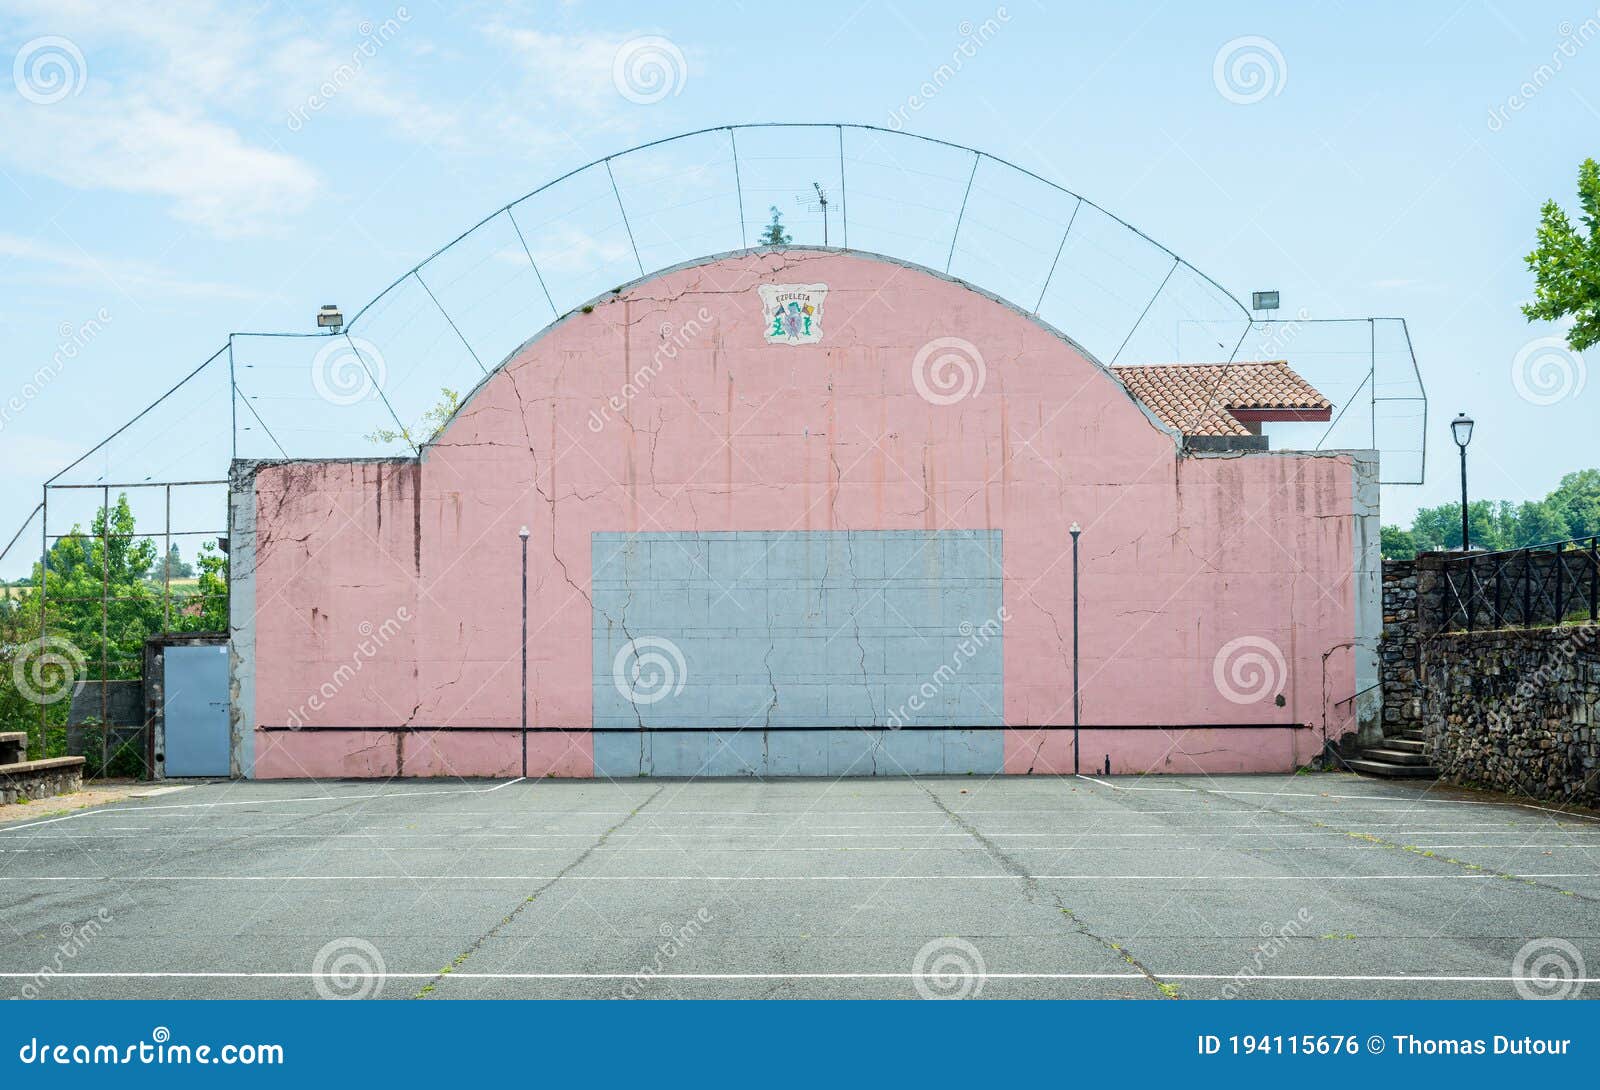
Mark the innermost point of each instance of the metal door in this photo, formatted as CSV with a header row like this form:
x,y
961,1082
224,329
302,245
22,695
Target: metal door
x,y
196,711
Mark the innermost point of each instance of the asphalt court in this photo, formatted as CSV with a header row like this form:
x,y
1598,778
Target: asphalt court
x,y
1309,886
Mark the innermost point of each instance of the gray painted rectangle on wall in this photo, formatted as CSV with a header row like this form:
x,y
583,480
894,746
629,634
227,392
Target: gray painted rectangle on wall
x,y
843,629
758,752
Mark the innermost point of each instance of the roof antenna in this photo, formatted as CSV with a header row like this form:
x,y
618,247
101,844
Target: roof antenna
x,y
822,202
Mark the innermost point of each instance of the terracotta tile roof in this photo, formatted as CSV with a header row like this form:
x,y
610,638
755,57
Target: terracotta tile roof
x,y
1203,398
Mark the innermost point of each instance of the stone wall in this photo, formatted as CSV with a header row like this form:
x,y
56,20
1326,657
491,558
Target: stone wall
x,y
40,780
1398,663
1516,710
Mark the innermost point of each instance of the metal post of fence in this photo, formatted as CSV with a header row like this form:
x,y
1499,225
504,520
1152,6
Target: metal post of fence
x,y
1594,579
44,607
1561,584
1472,593
1075,531
105,618
1499,614
523,534
1527,587
166,571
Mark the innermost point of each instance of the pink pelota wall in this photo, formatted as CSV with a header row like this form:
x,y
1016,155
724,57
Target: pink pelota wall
x,y
400,581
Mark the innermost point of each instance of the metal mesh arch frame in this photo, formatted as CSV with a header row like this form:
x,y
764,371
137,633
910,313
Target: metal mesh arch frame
x,y
449,319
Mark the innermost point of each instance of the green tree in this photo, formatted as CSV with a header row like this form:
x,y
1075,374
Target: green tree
x,y
1578,498
207,609
100,608
1398,544
1566,264
775,235
173,568
429,426
97,581
1571,511
1538,521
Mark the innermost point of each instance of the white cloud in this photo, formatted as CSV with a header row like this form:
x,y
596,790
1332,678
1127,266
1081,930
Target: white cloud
x,y
173,89
213,177
575,68
562,248
69,265
567,86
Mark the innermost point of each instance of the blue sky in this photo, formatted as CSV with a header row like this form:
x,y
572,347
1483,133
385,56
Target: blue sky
x,y
184,182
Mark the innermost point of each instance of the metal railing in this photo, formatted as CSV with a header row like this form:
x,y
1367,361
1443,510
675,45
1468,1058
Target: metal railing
x,y
1537,586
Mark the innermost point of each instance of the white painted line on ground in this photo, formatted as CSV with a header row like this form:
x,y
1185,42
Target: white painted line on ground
x,y
197,837
1230,832
250,802
458,878
468,975
157,792
458,848
792,815
1215,789
1120,787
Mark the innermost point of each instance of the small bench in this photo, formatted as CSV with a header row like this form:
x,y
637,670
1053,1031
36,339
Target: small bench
x,y
40,779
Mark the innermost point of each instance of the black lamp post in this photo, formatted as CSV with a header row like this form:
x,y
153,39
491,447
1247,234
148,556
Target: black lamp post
x,y
1461,429
523,534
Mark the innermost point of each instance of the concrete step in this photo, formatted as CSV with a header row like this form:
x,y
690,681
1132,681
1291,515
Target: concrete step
x,y
1392,771
1406,745
1393,756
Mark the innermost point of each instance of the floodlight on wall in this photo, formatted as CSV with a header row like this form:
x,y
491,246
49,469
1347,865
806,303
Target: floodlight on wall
x,y
1263,300
330,318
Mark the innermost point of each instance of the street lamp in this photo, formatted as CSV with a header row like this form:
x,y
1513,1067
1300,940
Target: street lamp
x,y
523,534
1461,429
